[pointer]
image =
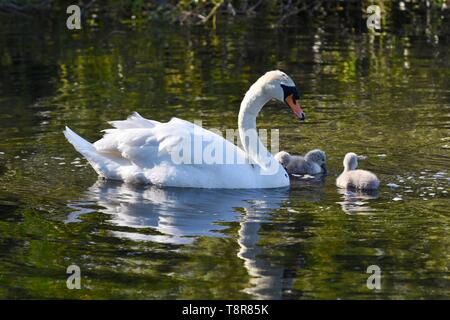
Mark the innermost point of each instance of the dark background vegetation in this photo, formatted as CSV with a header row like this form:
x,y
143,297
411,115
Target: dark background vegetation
x,y
418,16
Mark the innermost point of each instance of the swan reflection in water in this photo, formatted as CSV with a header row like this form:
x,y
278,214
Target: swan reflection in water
x,y
178,215
355,201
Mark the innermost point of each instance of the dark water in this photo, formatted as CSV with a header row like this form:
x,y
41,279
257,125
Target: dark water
x,y
386,97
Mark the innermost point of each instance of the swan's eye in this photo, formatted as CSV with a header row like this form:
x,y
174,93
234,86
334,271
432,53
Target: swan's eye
x,y
289,90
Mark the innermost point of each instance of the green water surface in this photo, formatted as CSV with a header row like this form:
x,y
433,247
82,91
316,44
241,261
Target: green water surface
x,y
386,97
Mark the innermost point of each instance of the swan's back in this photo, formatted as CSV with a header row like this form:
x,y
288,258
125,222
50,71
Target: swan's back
x,y
139,150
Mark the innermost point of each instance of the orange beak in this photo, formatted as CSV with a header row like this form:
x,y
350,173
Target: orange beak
x,y
295,107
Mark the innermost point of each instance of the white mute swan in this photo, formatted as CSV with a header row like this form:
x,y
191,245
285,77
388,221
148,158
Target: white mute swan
x,y
181,154
312,163
352,178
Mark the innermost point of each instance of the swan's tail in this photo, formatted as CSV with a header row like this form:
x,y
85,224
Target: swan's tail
x,y
80,144
100,163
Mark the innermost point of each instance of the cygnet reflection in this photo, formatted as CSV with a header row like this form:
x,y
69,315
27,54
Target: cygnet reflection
x,y
356,201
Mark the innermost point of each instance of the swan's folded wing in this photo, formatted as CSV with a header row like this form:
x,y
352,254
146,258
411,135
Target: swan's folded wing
x,y
185,142
175,142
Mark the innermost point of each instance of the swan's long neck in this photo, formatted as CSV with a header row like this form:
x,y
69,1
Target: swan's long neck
x,y
252,103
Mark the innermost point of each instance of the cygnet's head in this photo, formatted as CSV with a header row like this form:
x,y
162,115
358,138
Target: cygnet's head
x,y
350,161
278,85
318,156
283,158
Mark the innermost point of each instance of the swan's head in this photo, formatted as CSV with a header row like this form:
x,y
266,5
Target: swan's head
x,y
350,161
283,158
318,156
278,85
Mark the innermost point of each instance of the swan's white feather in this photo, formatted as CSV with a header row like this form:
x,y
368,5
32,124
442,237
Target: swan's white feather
x,y
133,121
